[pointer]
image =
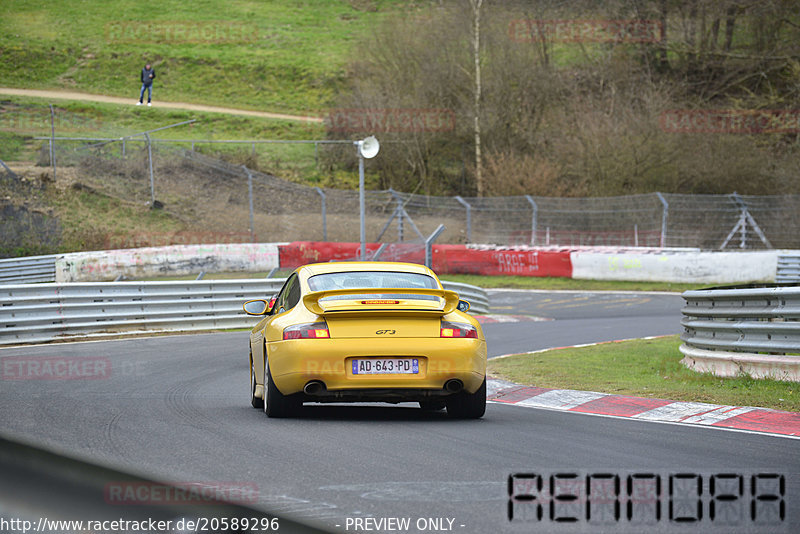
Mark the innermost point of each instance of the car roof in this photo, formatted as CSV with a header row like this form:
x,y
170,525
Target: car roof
x,y
352,266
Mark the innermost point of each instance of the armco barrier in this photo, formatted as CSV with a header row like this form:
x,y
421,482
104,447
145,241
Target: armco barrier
x,y
175,260
43,312
27,270
749,330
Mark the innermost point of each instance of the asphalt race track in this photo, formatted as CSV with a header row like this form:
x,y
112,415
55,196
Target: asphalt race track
x,y
176,408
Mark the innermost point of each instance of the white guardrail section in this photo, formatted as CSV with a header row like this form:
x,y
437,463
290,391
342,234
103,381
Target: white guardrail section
x,y
753,331
28,270
33,313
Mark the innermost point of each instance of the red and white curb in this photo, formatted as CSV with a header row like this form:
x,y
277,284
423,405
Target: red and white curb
x,y
743,418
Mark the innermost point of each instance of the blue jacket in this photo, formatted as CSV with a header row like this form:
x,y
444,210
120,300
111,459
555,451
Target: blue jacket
x,y
146,79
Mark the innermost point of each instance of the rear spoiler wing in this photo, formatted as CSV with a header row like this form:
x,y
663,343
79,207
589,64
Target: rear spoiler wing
x,y
312,300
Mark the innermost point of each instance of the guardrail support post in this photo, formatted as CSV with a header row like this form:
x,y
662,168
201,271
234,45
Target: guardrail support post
x,y
429,245
533,218
469,218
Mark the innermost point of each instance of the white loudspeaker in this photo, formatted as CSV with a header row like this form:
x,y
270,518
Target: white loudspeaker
x,y
369,147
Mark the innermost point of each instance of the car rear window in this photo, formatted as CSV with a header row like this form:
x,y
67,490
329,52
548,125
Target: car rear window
x,y
373,280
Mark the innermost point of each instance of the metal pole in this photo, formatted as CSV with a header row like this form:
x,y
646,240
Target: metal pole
x,y
324,215
53,140
533,218
400,214
469,218
429,245
664,213
250,195
361,202
150,160
743,219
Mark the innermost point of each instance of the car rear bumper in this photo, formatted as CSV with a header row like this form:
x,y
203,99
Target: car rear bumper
x,y
295,363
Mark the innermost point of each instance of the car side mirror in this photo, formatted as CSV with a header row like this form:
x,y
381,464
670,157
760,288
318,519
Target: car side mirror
x,y
463,306
256,307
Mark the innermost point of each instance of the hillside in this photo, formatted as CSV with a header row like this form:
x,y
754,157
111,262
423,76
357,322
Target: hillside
x,y
577,99
272,55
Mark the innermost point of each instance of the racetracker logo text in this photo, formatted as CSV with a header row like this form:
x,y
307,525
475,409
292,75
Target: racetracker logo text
x,y
585,31
180,32
55,368
386,120
151,493
733,121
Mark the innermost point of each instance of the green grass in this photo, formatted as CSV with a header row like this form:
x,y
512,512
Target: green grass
x,y
642,368
266,55
547,283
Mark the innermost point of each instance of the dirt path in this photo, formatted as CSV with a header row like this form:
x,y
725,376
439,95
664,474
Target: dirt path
x,y
70,95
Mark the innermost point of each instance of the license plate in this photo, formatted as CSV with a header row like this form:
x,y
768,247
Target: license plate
x,y
386,366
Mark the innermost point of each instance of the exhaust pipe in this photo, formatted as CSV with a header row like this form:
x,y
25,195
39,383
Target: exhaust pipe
x,y
314,387
454,385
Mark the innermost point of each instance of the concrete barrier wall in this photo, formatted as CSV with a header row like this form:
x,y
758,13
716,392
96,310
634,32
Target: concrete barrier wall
x,y
176,260
676,266
447,259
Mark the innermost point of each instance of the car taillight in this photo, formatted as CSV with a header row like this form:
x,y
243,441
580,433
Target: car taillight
x,y
457,330
307,331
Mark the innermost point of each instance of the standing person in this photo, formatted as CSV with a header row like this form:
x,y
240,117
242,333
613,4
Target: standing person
x,y
148,75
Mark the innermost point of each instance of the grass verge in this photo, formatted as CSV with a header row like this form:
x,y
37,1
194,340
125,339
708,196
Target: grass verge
x,y
552,283
642,368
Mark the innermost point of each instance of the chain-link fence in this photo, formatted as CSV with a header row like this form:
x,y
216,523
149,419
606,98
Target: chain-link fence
x,y
214,196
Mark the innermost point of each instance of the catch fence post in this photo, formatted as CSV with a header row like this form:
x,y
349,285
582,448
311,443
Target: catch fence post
x,y
533,218
664,213
324,214
469,218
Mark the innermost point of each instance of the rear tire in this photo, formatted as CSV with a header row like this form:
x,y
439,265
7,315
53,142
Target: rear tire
x,y
255,402
276,404
468,405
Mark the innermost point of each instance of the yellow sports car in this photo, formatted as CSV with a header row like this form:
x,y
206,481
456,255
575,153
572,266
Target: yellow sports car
x,y
366,332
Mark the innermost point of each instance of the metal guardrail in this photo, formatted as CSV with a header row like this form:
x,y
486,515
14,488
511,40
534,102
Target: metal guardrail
x,y
788,268
476,296
28,270
753,327
31,313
